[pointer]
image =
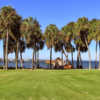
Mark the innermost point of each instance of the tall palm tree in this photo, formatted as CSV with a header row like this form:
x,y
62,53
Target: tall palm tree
x,y
50,34
26,29
30,29
96,35
68,30
1,37
83,37
93,30
59,44
22,48
8,19
16,32
39,46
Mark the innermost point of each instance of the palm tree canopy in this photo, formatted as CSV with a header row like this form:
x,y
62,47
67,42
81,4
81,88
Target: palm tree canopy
x,y
95,29
68,31
8,20
50,33
82,33
30,30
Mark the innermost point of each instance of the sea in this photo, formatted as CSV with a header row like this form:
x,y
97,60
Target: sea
x,y
28,64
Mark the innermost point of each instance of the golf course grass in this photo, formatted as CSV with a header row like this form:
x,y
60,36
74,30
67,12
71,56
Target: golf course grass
x,y
50,85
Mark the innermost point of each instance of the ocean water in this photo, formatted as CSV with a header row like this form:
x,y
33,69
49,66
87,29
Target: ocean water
x,y
28,64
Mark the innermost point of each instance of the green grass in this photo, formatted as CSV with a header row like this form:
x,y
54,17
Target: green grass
x,y
50,85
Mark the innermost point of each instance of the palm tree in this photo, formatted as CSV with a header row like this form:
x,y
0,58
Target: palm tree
x,y
26,29
96,35
68,30
50,34
16,32
12,48
30,29
1,36
8,19
22,48
39,46
59,44
93,30
83,37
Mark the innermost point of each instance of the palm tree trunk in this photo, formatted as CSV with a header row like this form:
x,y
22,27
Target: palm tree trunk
x,y
72,59
51,57
62,57
78,55
99,56
6,56
81,64
89,59
17,55
4,50
21,60
65,56
96,57
33,59
38,58
89,54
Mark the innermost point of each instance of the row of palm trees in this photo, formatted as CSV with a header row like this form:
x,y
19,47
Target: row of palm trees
x,y
18,34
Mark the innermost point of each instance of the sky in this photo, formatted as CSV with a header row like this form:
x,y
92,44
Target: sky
x,y
59,12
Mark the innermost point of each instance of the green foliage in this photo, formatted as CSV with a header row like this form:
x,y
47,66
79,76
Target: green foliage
x,y
82,34
50,34
9,19
68,31
30,30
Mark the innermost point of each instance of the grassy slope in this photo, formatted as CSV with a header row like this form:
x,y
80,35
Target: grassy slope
x,y
50,85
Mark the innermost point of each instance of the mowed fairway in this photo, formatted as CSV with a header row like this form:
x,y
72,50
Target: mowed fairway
x,y
50,85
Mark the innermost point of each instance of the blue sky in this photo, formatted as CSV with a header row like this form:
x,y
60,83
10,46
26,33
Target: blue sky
x,y
59,12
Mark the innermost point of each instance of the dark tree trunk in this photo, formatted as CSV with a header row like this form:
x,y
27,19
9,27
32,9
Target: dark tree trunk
x,y
96,56
33,59
17,50
78,56
4,44
51,57
38,59
62,57
21,60
81,65
99,56
72,60
6,56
